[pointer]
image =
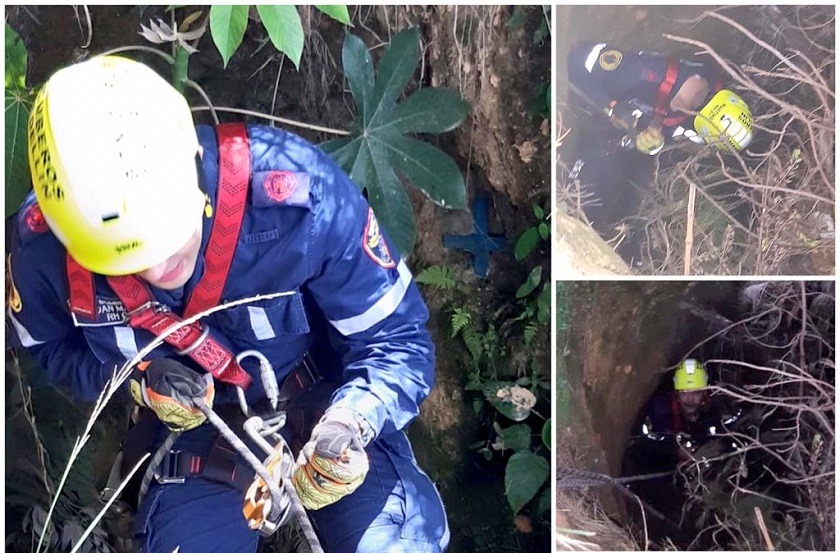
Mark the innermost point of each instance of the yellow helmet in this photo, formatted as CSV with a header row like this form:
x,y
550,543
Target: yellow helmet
x,y
112,153
729,115
690,375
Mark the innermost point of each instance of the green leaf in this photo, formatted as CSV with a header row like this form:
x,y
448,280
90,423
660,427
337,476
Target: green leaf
x,y
377,151
284,29
531,284
439,276
524,475
18,181
538,212
517,437
395,69
429,169
337,12
358,68
15,60
431,110
544,501
227,27
525,243
546,434
477,404
543,229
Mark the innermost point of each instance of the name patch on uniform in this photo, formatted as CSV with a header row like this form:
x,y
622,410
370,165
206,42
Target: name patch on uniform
x,y
609,59
272,188
374,243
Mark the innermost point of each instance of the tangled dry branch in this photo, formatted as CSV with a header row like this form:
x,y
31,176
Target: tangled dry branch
x,y
780,462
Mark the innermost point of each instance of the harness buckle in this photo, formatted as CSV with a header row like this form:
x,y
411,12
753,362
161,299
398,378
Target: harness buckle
x,y
150,306
167,471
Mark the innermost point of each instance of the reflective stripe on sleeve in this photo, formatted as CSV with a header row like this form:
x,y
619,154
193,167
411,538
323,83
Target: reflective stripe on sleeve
x,y
26,339
593,56
380,310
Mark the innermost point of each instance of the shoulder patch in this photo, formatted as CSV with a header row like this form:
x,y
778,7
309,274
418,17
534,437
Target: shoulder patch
x,y
374,243
609,59
272,188
31,221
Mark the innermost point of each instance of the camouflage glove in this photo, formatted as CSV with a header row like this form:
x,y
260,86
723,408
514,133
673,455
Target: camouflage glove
x,y
168,388
650,140
332,464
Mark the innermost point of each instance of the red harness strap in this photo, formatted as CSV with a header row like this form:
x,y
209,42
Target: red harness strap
x,y
144,312
661,104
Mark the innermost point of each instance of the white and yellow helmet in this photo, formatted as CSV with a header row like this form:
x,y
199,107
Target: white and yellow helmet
x,y
725,121
112,153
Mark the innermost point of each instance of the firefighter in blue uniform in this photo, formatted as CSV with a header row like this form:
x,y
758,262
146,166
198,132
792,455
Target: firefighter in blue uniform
x,y
126,190
639,102
655,98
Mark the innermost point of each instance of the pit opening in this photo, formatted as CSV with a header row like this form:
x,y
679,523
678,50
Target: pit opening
x,y
764,475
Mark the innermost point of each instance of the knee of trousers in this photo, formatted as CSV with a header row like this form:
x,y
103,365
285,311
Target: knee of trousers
x,y
397,508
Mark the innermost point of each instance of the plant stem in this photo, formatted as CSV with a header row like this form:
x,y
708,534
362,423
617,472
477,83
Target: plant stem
x,y
180,68
278,119
149,49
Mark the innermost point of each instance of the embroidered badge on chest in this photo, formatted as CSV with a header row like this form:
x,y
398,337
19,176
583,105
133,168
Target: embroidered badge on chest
x,y
609,60
374,243
280,185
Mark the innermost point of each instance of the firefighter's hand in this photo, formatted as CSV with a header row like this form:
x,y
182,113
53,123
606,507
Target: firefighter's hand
x,y
169,388
331,465
622,117
650,140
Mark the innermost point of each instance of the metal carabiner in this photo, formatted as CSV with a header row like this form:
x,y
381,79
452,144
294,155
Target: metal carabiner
x,y
269,380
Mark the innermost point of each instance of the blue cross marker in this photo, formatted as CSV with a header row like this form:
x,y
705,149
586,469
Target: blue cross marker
x,y
480,244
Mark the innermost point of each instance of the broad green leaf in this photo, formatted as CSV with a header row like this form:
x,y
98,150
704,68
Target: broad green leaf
x,y
546,434
18,183
358,68
372,172
525,243
427,168
524,475
395,69
514,402
538,212
430,110
227,27
377,152
544,501
544,231
15,60
517,437
336,11
531,284
284,29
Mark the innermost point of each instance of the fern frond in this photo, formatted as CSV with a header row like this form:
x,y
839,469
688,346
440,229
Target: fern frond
x,y
530,332
438,276
461,319
474,341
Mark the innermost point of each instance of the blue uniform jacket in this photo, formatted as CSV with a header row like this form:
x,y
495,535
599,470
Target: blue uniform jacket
x,y
607,74
310,232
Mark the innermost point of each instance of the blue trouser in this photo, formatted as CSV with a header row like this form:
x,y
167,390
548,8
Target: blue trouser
x,y
397,508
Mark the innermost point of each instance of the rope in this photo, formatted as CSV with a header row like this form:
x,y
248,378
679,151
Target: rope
x,y
160,453
296,508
